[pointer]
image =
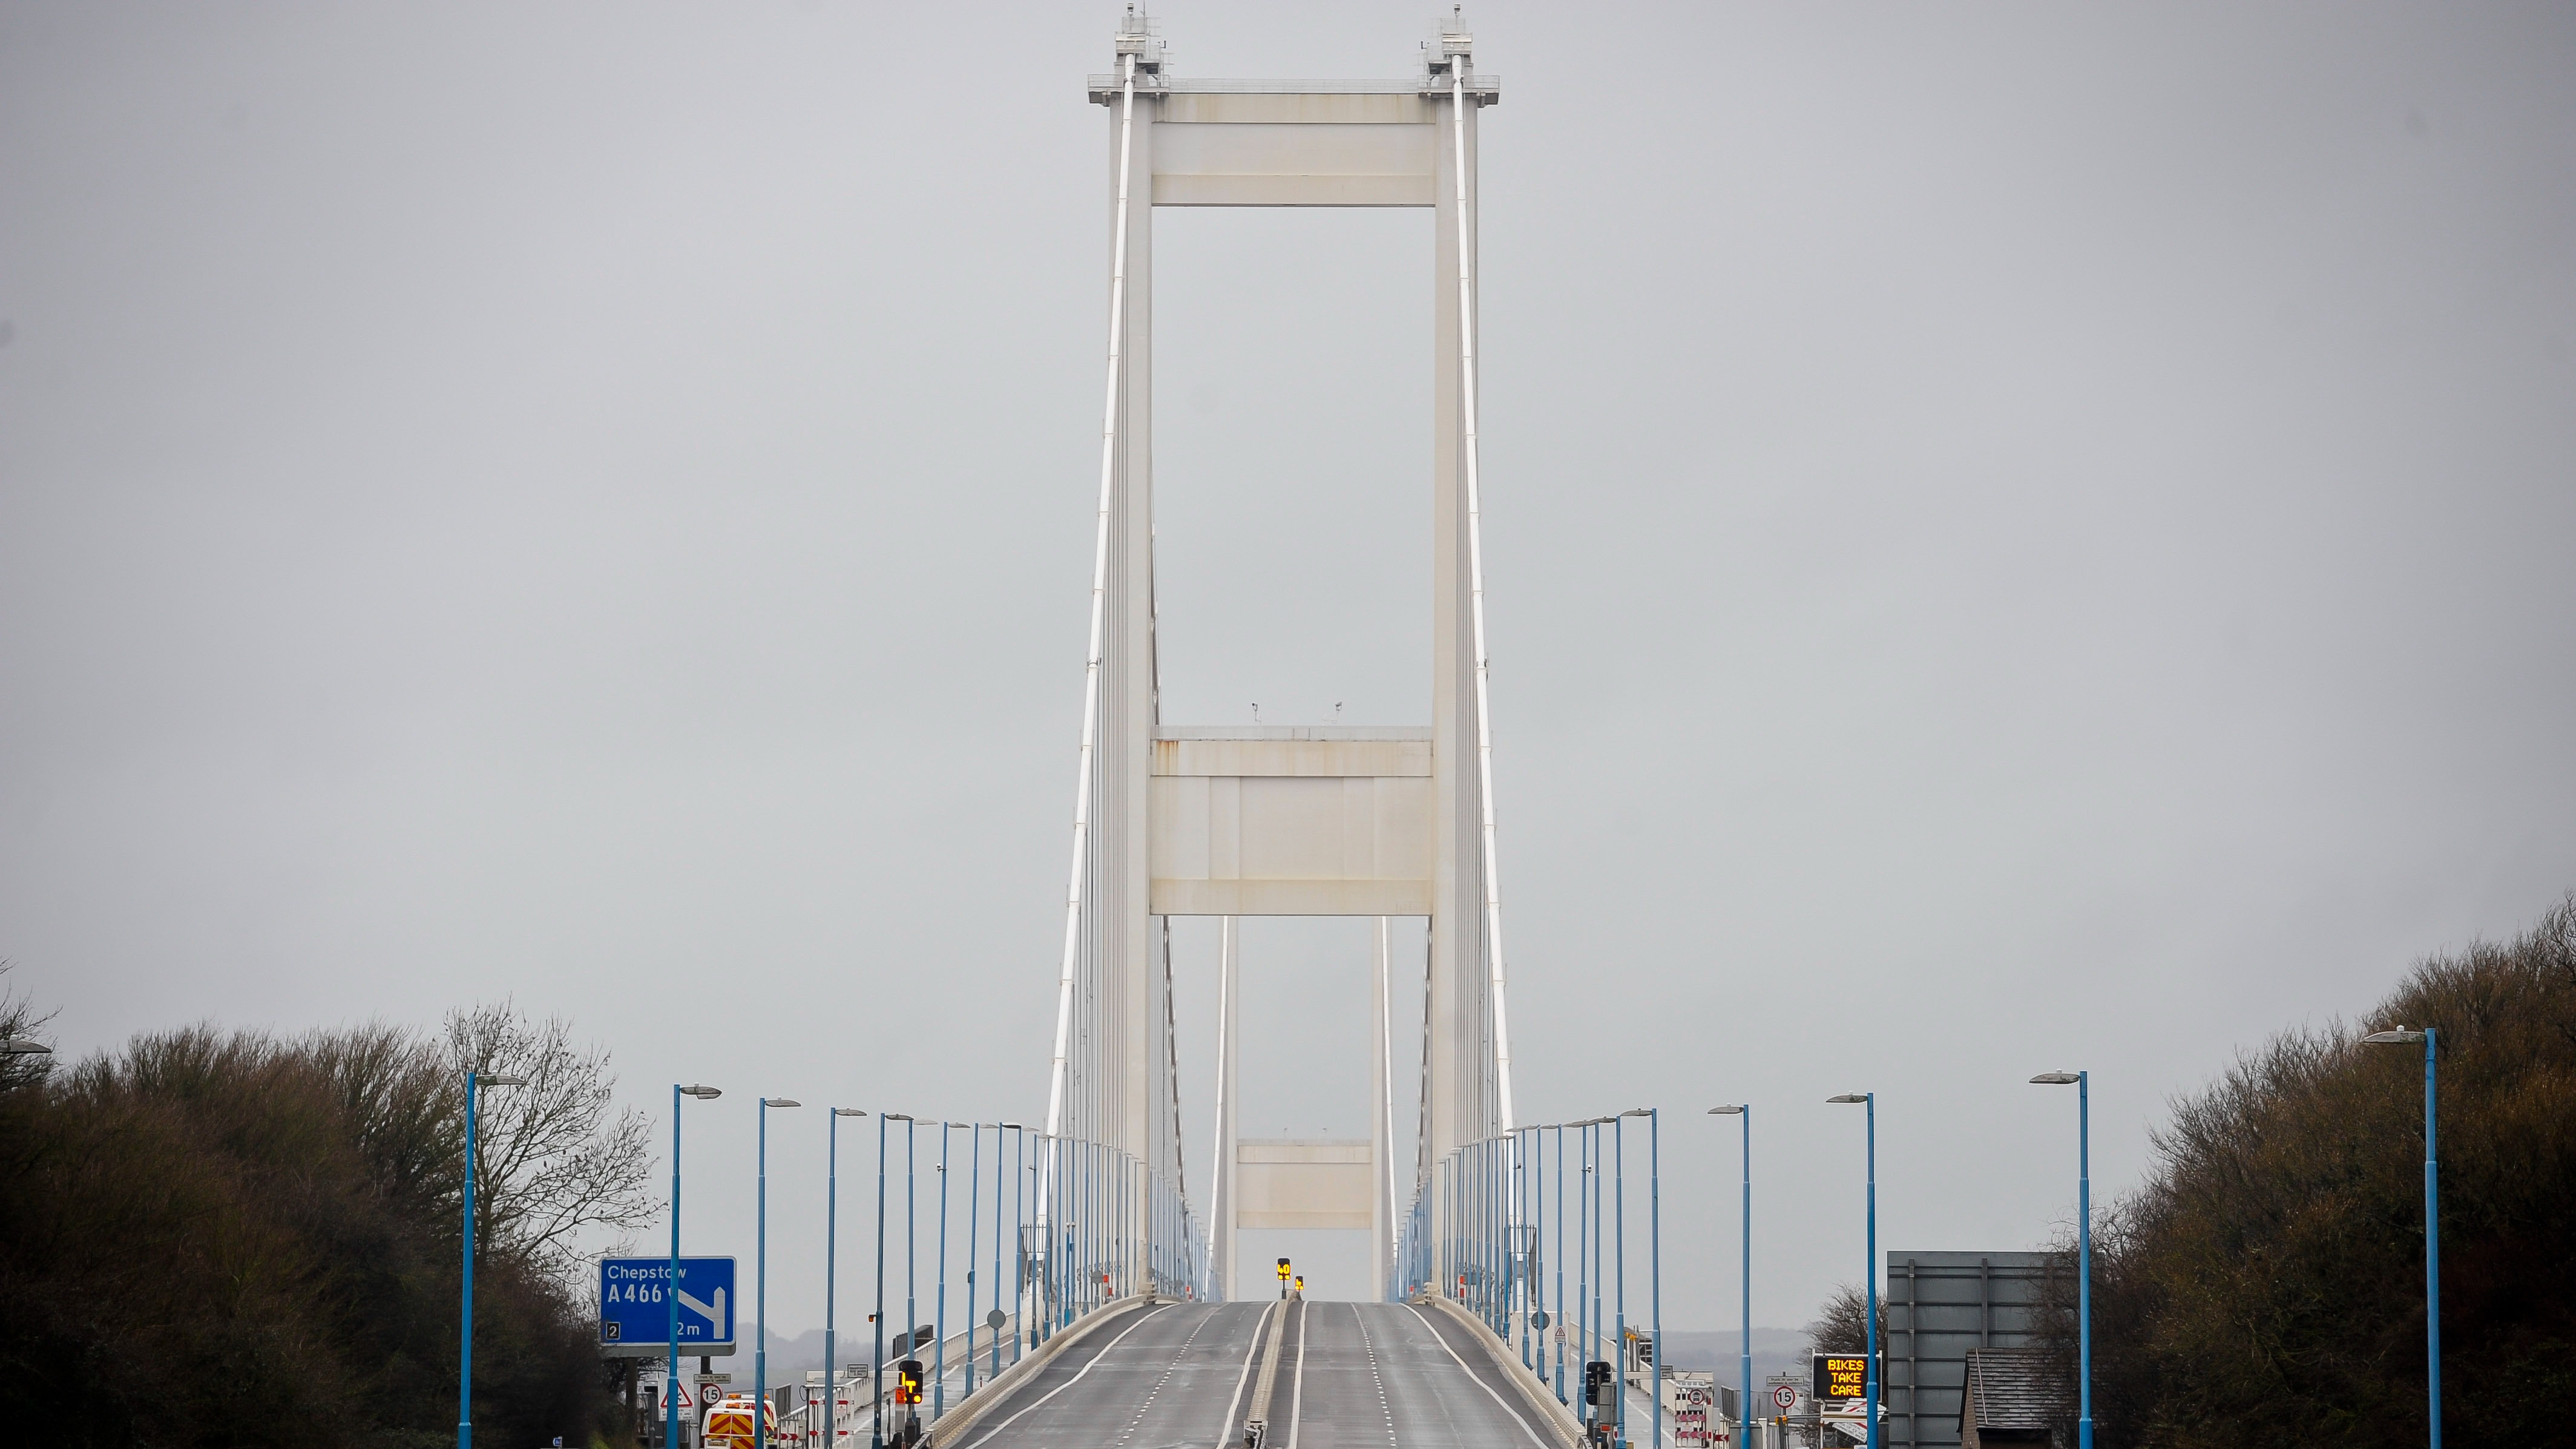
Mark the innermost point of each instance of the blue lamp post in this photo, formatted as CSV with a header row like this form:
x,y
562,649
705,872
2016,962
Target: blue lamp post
x,y
1560,1255
2402,1036
671,1284
1655,1251
1586,1308
1869,1100
1601,1231
1744,1406
465,1331
831,1245
939,1300
760,1280
2082,1082
876,1355
1021,1291
1618,1231
911,1253
974,1214
1535,1326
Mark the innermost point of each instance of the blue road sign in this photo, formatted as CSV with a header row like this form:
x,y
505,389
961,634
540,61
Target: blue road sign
x,y
635,1309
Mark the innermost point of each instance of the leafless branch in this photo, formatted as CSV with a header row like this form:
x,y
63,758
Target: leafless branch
x,y
556,1158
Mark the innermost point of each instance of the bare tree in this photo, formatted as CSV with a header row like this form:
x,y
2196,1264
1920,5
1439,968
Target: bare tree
x,y
403,1112
557,1158
1842,1324
18,1018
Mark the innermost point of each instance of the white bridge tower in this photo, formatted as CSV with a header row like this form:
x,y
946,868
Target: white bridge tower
x,y
1174,819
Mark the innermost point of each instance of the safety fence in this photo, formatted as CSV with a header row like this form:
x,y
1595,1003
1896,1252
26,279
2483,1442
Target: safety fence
x,y
1025,1234
1089,1225
1527,1230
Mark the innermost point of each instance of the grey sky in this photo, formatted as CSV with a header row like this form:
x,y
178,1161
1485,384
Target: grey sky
x,y
2018,537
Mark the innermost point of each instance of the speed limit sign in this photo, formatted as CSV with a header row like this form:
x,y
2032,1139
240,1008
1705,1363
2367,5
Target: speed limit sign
x,y
1786,1396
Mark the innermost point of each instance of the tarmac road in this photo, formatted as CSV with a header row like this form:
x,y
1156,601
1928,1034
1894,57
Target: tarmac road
x,y
1351,1376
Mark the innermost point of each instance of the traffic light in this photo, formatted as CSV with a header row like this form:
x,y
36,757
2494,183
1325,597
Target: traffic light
x,y
907,1381
1283,1269
1301,1283
1597,1379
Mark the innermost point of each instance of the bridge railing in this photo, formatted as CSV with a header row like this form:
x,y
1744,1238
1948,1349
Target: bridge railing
x,y
1108,1227
1088,1224
1528,1231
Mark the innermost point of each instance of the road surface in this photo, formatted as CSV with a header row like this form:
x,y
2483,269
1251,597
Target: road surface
x,y
1351,1376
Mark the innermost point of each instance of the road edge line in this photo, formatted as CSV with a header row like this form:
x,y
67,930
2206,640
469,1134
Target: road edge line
x,y
971,1413
1227,1428
1297,1394
1560,1418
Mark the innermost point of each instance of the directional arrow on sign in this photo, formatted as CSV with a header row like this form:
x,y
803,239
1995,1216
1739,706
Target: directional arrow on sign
x,y
713,1312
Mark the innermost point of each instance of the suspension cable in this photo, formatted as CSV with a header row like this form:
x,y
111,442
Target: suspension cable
x,y
1386,1097
1099,604
1220,1154
1476,598
1172,1070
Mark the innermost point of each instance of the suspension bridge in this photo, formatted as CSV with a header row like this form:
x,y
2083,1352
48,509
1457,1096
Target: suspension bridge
x,y
1133,1320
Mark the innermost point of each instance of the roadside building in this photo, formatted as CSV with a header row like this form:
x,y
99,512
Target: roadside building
x,y
2012,1396
1938,1307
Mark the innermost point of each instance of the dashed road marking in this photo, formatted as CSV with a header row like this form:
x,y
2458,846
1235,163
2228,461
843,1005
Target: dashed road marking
x,y
1385,1407
987,1435
1173,1368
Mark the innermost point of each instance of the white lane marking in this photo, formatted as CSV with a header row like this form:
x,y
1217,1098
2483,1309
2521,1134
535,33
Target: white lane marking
x,y
1370,1345
1297,1399
1177,1355
1478,1382
987,1435
1230,1405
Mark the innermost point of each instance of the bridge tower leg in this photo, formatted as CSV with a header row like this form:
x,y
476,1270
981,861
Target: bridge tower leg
x,y
1283,821
1461,1077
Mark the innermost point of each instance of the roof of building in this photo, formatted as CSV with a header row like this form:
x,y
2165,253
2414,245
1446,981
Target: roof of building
x,y
2014,1388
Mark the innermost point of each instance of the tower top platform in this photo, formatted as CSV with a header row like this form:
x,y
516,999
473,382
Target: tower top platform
x,y
1485,90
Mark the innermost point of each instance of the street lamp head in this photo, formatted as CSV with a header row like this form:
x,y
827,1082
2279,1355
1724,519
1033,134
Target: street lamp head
x,y
1850,1097
1638,1112
2055,1079
499,1079
1014,1126
19,1046
1734,1110
894,1116
848,1112
701,1092
780,1102
2401,1036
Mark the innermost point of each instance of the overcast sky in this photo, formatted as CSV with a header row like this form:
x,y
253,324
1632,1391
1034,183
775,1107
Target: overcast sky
x,y
2018,537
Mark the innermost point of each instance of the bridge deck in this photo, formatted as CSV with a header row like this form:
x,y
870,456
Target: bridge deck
x,y
1351,1376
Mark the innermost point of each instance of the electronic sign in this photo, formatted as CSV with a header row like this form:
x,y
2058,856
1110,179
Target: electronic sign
x,y
1842,1375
